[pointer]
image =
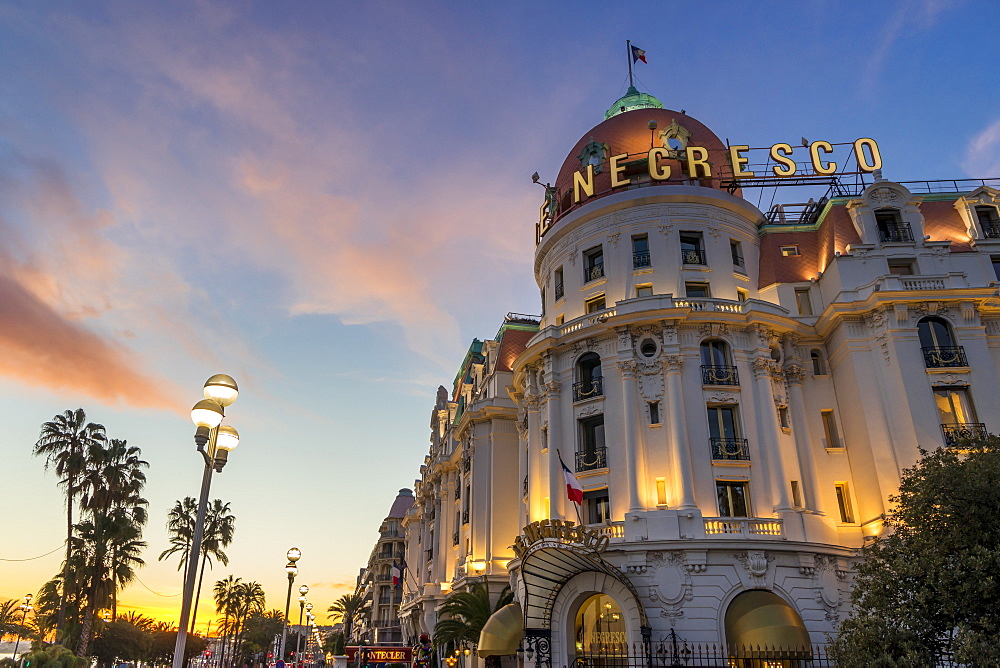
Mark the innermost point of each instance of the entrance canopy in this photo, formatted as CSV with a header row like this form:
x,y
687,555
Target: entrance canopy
x,y
502,633
548,565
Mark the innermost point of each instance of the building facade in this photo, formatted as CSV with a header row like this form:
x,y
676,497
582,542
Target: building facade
x,y
737,393
378,622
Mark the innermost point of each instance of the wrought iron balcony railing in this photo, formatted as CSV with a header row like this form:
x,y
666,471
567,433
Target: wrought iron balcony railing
x,y
454,539
465,517
894,232
594,459
594,272
716,374
693,257
991,230
641,260
938,357
559,290
730,449
957,431
588,389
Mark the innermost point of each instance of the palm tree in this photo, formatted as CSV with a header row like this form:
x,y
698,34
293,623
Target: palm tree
x,y
220,525
346,608
464,614
180,527
226,592
65,441
10,618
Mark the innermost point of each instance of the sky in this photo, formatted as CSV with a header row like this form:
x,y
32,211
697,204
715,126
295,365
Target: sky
x,y
329,201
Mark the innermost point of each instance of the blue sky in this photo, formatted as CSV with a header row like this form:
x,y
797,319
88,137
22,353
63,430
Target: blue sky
x,y
329,200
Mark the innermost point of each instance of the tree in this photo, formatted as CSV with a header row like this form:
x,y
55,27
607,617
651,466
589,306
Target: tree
x,y
464,614
929,586
121,641
11,616
346,609
64,441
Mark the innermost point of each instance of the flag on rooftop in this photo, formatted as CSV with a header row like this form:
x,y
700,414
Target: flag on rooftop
x,y
638,54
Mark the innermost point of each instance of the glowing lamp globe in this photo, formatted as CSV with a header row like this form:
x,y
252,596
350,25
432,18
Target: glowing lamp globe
x,y
294,554
227,439
221,389
207,413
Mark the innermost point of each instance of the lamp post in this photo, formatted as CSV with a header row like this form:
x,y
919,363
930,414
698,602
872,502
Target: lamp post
x,y
303,590
25,608
214,441
293,555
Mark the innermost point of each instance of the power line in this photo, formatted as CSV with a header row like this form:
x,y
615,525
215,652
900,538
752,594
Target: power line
x,y
38,557
156,592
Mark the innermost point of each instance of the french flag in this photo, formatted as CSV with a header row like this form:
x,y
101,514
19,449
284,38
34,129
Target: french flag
x,y
638,54
573,489
397,574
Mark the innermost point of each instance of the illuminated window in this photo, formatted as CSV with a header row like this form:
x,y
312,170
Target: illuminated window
x,y
742,295
954,405
844,503
736,248
796,494
600,627
595,304
788,251
644,290
593,264
830,429
597,506
733,498
661,491
803,302
692,248
697,289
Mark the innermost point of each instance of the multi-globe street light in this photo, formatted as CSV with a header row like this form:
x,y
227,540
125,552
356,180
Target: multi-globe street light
x,y
293,555
214,441
25,609
303,590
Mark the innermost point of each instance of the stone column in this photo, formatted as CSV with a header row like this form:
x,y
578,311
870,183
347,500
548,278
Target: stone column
x,y
683,475
558,501
537,486
800,432
768,430
630,398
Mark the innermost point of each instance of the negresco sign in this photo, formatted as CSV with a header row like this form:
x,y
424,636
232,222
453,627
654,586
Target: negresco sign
x,y
561,530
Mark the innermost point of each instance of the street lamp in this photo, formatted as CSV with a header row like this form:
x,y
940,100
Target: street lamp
x,y
303,590
215,441
293,555
25,608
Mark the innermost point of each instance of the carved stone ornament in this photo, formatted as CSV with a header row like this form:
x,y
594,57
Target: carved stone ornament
x,y
884,195
794,374
714,231
826,581
952,379
552,389
590,409
672,583
755,563
763,367
673,363
628,369
722,398
613,239
651,381
670,332
593,153
679,134
530,401
624,338
666,230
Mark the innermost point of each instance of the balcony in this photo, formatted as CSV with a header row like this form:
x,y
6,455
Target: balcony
x,y
588,389
959,431
743,527
939,357
593,272
714,374
730,449
640,260
693,257
559,290
895,233
588,461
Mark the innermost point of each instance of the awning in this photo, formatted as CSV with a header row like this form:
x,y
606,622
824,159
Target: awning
x,y
760,618
501,635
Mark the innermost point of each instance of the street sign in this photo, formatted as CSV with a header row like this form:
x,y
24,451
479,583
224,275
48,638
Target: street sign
x,y
279,664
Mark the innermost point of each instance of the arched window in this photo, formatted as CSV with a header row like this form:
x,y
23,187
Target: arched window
x,y
819,366
937,342
717,364
588,377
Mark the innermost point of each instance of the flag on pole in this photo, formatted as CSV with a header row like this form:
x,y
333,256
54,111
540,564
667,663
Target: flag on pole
x,y
397,575
573,489
638,54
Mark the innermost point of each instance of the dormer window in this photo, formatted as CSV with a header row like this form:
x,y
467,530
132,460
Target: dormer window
x,y
989,221
891,228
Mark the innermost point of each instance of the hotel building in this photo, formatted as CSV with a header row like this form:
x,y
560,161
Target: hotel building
x,y
736,391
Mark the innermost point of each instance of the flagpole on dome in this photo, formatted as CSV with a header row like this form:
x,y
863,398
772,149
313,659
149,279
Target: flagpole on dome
x,y
628,48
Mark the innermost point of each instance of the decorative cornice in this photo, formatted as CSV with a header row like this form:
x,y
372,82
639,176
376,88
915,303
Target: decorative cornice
x,y
673,363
